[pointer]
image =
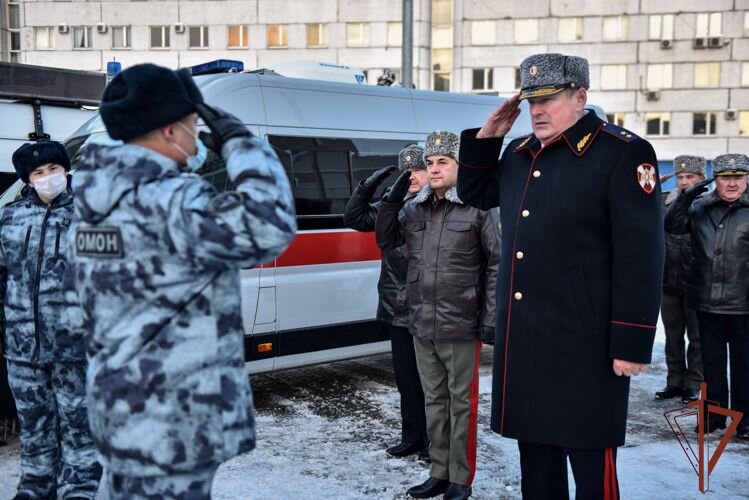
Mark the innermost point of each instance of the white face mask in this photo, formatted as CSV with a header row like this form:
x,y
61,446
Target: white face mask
x,y
51,186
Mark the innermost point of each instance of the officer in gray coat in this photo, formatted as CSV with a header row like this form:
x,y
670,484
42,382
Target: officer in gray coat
x,y
157,258
43,342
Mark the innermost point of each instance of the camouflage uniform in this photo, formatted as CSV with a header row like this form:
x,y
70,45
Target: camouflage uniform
x,y
157,259
44,350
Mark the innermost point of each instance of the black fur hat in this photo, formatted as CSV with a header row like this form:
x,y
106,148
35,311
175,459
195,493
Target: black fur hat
x,y
145,97
35,154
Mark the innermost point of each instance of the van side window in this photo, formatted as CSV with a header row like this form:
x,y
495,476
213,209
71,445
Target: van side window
x,y
323,171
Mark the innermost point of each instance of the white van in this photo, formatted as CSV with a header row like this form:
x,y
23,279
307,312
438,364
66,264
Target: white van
x,y
317,301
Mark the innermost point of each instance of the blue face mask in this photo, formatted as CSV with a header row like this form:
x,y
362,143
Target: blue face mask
x,y
193,162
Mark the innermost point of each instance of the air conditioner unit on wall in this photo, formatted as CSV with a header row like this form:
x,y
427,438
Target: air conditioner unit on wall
x,y
731,114
101,28
179,28
652,95
700,43
716,42
63,28
667,44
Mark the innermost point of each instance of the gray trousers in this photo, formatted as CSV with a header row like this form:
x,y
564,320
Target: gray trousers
x,y
683,372
449,372
194,485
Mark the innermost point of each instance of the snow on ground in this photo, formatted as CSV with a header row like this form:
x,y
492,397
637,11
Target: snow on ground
x,y
323,430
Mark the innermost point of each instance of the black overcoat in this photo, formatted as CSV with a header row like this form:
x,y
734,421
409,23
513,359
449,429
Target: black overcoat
x,y
580,281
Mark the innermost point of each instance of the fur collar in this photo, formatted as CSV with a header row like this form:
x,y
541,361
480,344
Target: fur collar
x,y
426,192
712,198
672,195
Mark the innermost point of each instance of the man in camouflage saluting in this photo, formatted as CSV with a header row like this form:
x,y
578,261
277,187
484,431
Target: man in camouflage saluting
x,y
157,257
43,342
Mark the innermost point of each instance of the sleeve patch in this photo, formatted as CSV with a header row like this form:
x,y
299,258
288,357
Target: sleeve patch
x,y
646,177
102,242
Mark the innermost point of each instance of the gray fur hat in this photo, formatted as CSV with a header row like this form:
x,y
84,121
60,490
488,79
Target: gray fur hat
x,y
687,164
442,143
411,158
731,164
548,74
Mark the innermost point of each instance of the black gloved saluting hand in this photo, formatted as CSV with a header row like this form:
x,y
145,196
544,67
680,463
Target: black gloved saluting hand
x,y
374,180
399,189
223,126
696,190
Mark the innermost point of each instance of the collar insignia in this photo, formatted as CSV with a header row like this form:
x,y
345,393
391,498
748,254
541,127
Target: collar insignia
x,y
526,141
582,142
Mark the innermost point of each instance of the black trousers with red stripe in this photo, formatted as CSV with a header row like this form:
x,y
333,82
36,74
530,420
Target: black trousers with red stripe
x,y
544,472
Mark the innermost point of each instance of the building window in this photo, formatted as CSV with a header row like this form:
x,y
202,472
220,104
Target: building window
x,y
82,37
707,74
660,76
704,123
442,63
159,37
709,24
44,37
395,34
483,33
357,34
614,28
657,123
526,31
442,12
317,35
198,37
121,37
746,23
517,79
14,28
570,29
239,36
613,76
278,35
745,74
661,27
615,119
744,123
483,79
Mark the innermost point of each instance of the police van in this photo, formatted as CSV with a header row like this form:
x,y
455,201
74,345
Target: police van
x,y
317,301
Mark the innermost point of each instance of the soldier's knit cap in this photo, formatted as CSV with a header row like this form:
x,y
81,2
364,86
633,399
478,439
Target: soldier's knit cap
x,y
35,154
687,164
411,158
145,97
548,74
731,164
442,143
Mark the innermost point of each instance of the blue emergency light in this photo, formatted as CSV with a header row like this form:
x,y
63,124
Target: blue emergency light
x,y
218,66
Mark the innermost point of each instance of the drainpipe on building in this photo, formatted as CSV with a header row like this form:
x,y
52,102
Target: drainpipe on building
x,y
407,48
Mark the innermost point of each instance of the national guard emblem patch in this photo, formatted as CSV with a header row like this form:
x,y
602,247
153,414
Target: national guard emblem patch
x,y
100,242
646,177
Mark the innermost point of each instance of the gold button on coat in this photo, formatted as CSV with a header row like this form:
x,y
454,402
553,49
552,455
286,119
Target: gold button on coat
x,y
518,295
520,255
536,173
526,213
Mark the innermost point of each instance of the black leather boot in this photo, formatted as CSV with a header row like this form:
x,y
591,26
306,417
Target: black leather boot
x,y
404,449
457,492
429,488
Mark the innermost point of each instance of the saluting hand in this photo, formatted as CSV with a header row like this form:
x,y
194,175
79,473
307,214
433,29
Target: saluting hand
x,y
501,119
627,368
696,190
399,189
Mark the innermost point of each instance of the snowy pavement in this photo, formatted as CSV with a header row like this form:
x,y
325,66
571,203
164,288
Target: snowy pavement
x,y
323,430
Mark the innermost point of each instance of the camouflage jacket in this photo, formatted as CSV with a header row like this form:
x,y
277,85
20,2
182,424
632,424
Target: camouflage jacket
x,y
34,258
157,255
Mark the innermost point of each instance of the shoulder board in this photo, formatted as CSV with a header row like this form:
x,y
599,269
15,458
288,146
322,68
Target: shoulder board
x,y
519,142
621,133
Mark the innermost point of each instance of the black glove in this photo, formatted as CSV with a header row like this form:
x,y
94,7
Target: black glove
x,y
399,189
696,190
223,125
377,177
487,334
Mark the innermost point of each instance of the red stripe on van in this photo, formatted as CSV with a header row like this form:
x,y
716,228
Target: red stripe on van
x,y
309,249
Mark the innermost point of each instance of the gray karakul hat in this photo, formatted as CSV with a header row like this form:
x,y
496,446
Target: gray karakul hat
x,y
548,74
442,143
731,164
411,158
687,164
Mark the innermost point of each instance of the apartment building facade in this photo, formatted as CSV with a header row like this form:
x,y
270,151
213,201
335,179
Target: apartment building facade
x,y
676,73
